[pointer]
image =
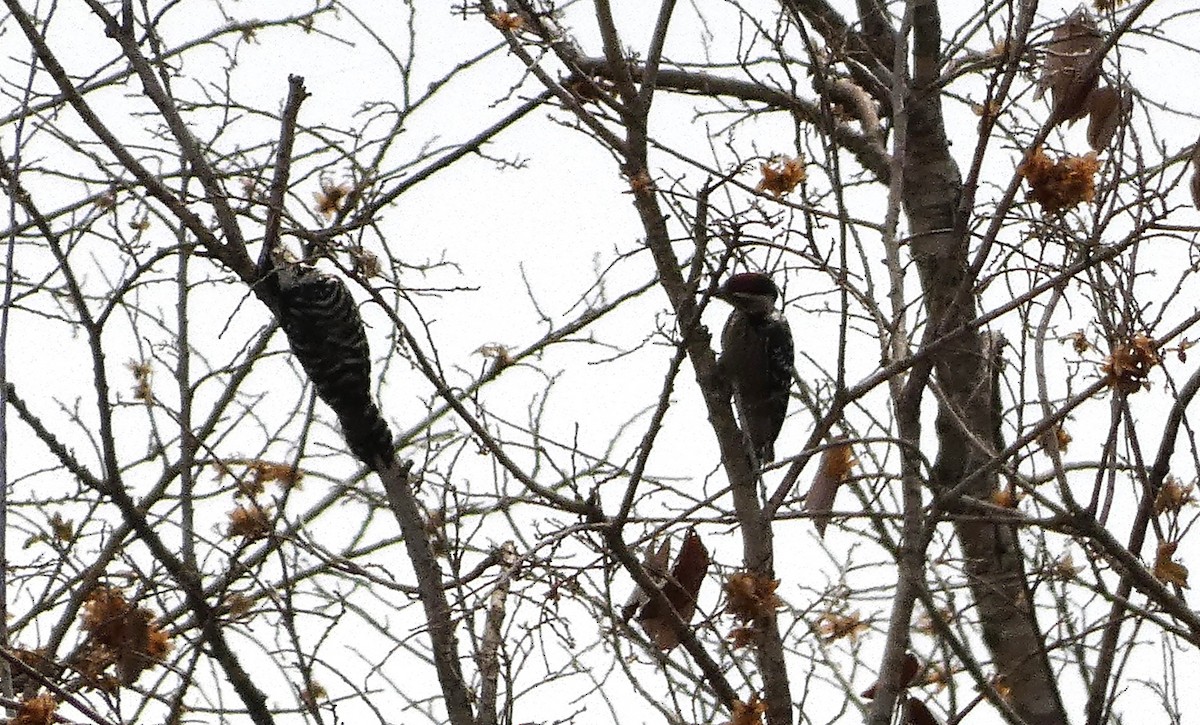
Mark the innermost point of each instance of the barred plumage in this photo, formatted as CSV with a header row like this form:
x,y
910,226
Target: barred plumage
x,y
756,356
326,334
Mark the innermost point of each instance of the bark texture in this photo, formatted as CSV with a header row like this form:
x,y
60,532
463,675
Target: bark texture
x,y
967,422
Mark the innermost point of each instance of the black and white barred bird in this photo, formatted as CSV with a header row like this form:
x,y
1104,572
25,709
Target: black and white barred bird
x,y
756,357
326,334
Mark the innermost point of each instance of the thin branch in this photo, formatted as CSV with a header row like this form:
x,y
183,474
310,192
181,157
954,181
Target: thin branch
x,y
398,484
493,637
283,165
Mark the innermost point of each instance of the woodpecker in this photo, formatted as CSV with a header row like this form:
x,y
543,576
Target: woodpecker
x,y
326,335
756,358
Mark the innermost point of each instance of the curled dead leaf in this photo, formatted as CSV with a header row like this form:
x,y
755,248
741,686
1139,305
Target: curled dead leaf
x,y
1066,70
927,624
264,472
655,562
1166,569
365,263
142,377
590,90
740,637
329,199
1107,107
313,695
1182,348
909,669
1002,687
937,676
835,466
498,353
681,587
1172,496
986,111
916,713
640,183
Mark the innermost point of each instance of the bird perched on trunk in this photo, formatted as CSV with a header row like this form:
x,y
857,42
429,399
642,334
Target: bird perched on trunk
x,y
756,358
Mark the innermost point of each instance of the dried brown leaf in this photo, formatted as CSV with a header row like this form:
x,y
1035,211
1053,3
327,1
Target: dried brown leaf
x,y
1060,184
655,563
312,695
251,522
498,352
1063,568
926,624
507,21
1166,569
748,713
835,466
937,676
142,378
915,713
38,661
740,637
36,711
1002,687
239,605
366,263
1182,348
1055,439
1066,72
63,529
1062,438
265,471
1006,498
909,669
120,634
750,596
329,199
1128,366
986,111
1080,342
782,176
681,588
1172,496
641,183
1107,107
590,90
833,626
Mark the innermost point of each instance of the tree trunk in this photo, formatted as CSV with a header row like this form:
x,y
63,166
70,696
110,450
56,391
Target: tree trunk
x,y
967,421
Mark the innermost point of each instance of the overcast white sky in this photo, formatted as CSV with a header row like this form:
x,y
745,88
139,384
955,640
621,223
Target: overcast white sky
x,y
551,225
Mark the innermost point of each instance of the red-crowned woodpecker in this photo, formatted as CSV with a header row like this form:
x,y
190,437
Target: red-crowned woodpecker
x,y
756,358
